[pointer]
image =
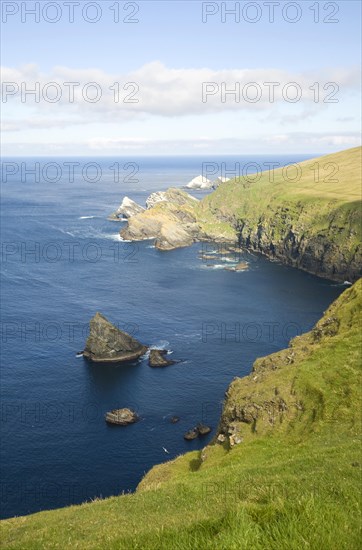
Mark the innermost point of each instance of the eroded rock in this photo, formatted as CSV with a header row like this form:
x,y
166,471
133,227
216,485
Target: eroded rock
x,y
197,431
127,209
106,343
191,434
157,358
203,429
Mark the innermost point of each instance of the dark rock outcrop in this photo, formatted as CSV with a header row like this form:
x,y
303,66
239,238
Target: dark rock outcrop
x,y
106,343
191,434
121,417
203,429
157,358
199,430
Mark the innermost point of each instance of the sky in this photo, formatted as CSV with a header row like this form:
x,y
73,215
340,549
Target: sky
x,y
179,77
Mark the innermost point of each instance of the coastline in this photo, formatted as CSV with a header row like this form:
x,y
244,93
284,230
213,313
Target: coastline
x,y
317,233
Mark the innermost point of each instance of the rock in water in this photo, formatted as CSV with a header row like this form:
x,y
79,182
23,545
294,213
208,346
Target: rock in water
x,y
203,429
199,430
157,358
127,209
241,266
170,218
106,343
191,434
121,417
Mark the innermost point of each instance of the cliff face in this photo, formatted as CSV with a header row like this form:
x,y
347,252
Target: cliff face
x,y
331,251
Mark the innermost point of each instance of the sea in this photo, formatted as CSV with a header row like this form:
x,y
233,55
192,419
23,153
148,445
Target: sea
x,y
62,260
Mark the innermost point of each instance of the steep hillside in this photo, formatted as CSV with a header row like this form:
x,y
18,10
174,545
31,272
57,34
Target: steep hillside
x,y
284,471
313,223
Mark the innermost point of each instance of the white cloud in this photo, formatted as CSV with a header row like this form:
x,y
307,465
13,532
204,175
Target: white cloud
x,y
163,91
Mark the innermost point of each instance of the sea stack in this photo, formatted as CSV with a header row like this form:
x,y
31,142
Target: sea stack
x,y
127,209
106,343
157,358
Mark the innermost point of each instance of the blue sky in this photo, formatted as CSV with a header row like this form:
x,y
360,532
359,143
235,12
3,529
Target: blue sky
x,y
170,54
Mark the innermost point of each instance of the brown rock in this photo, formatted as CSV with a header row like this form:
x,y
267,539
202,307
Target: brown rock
x,y
157,358
106,343
203,429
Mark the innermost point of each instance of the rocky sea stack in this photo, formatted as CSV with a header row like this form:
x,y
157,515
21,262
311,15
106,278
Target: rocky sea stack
x,y
157,358
106,343
127,209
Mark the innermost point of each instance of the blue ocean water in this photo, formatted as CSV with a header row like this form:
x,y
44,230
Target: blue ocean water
x,y
62,261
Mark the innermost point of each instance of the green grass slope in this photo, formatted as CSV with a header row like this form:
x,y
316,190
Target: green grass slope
x,y
309,216
293,482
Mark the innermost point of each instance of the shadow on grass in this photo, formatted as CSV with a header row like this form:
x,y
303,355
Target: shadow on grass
x,y
195,463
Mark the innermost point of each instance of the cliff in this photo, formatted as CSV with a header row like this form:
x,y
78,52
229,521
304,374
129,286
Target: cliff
x,y
286,473
312,223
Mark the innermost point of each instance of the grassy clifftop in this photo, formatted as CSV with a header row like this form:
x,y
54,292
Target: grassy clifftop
x,y
309,216
292,481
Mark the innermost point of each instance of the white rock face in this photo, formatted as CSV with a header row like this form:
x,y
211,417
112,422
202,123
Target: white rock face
x,y
128,208
154,198
200,182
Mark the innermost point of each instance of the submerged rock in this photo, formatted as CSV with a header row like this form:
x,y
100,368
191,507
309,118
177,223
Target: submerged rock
x,y
127,209
121,417
157,358
174,419
241,266
106,343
